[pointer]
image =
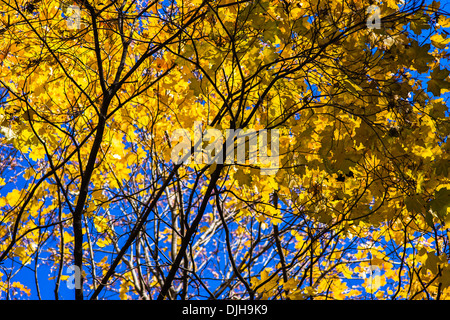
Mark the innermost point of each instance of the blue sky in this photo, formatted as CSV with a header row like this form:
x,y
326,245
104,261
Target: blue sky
x,y
27,274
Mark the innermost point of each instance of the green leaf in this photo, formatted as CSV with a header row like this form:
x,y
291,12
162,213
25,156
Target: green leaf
x,y
439,41
439,74
438,109
429,219
434,88
419,24
243,178
438,81
420,56
442,168
445,278
432,262
414,204
195,86
441,202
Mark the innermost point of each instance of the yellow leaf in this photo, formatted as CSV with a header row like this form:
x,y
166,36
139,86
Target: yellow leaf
x,y
13,197
376,261
309,291
439,41
103,242
352,87
29,173
296,13
67,237
100,224
290,284
123,290
21,287
103,261
444,21
274,214
21,252
37,153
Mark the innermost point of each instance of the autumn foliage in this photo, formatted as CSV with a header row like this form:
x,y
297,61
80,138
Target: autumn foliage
x,y
356,209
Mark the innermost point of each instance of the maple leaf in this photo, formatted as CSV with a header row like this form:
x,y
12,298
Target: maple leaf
x,y
444,21
441,202
439,41
414,204
438,81
420,55
358,172
419,24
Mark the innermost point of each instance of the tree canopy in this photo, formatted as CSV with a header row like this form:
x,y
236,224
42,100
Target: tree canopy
x,y
94,92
